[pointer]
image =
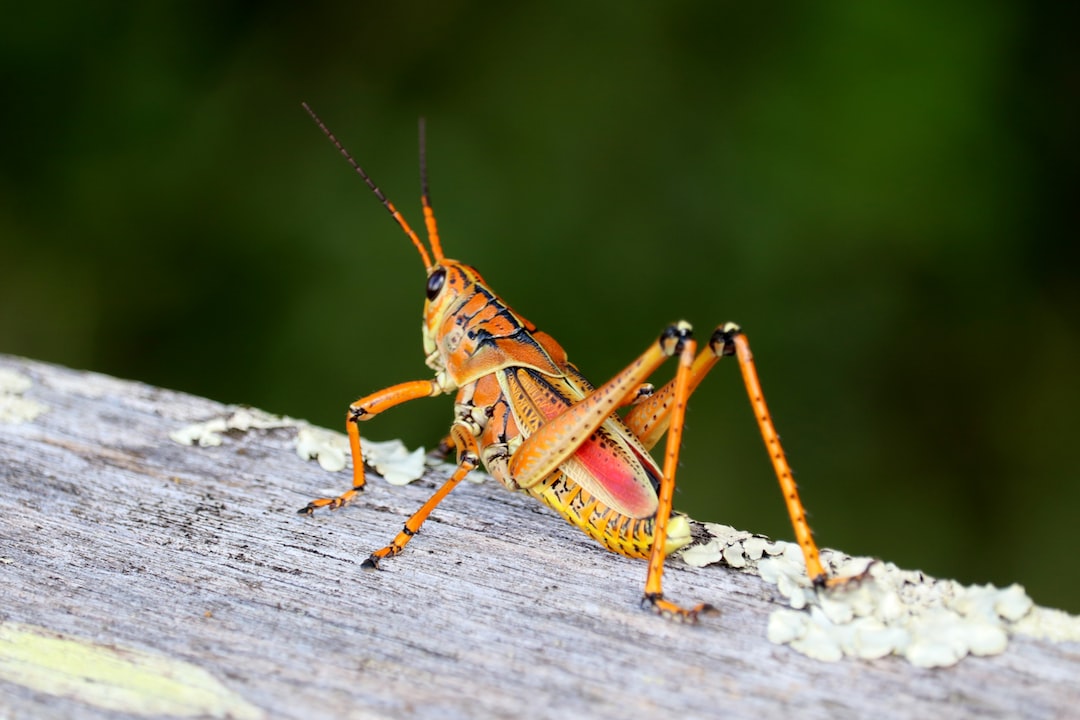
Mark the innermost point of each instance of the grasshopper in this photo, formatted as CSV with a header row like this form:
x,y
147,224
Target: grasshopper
x,y
538,426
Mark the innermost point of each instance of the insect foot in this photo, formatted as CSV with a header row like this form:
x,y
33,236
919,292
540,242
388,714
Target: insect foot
x,y
674,612
827,582
331,503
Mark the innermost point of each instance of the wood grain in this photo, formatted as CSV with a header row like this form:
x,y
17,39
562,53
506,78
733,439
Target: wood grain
x,y
116,537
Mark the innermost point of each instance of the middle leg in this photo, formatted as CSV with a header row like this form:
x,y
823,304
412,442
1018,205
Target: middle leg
x,y
468,460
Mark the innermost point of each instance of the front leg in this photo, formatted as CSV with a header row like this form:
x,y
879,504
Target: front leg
x,y
364,409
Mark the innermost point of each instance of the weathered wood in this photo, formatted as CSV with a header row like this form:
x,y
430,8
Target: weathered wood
x,y
115,537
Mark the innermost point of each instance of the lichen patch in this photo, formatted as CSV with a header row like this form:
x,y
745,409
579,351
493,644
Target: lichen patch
x,y
885,610
390,459
14,408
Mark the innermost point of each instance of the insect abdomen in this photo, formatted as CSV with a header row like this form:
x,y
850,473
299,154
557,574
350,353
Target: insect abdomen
x,y
618,533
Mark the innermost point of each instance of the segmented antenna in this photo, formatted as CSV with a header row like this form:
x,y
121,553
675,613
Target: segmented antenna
x,y
429,216
425,196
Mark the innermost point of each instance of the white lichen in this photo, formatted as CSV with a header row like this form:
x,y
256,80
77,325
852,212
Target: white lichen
x,y
391,459
210,432
14,408
329,448
884,610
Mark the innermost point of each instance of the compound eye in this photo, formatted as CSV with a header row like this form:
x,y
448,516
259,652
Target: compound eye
x,y
435,283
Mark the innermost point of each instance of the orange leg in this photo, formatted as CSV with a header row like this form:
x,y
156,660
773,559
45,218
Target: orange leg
x,y
364,409
556,440
638,395
654,594
649,419
442,450
468,460
814,568
650,416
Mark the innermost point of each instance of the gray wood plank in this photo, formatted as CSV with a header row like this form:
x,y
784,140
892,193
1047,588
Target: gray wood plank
x,y
121,543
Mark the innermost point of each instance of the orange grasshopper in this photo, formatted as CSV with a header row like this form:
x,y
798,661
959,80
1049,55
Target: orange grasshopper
x,y
537,425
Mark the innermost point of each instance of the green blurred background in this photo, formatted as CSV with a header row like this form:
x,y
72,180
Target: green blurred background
x,y
883,195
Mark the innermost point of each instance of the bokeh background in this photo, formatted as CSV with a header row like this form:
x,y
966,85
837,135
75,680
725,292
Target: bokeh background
x,y
883,195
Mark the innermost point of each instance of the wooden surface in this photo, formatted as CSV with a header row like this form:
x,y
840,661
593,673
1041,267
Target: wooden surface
x,y
115,540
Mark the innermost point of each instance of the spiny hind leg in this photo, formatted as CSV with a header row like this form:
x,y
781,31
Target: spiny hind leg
x,y
655,415
545,449
549,445
654,594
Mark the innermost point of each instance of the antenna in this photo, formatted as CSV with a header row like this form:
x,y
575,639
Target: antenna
x,y
425,196
429,216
